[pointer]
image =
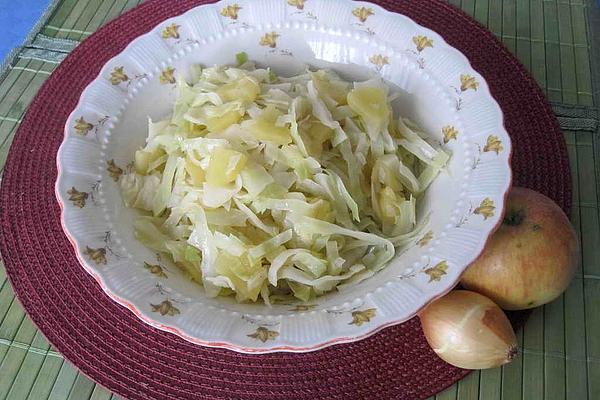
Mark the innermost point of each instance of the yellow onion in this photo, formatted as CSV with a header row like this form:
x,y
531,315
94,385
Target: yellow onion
x,y
469,330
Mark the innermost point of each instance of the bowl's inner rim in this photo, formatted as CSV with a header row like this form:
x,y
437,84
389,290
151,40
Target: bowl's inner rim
x,y
141,83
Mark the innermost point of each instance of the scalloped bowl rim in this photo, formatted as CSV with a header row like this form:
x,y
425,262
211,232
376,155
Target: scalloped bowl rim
x,y
225,344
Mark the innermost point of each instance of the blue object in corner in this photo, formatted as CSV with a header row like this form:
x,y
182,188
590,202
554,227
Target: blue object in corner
x,y
17,19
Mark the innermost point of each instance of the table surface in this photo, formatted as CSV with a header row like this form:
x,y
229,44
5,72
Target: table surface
x,y
560,343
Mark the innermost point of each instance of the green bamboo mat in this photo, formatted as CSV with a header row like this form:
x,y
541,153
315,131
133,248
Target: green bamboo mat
x,y
561,341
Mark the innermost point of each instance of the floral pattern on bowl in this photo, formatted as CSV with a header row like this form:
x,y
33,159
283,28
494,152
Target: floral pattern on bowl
x,y
109,123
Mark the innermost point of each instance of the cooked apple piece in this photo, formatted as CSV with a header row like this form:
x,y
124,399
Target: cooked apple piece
x,y
224,166
264,128
245,89
370,103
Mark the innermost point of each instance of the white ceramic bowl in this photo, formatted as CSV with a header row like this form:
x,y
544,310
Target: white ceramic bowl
x,y
441,93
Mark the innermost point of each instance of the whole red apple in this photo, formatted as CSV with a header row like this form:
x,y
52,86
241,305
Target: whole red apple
x,y
530,260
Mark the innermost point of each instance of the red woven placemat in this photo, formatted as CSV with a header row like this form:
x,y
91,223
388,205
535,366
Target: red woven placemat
x,y
109,344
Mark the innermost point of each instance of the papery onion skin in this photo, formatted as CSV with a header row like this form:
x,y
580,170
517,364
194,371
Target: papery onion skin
x,y
468,330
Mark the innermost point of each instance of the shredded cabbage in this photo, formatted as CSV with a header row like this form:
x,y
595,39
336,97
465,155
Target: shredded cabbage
x,y
268,187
